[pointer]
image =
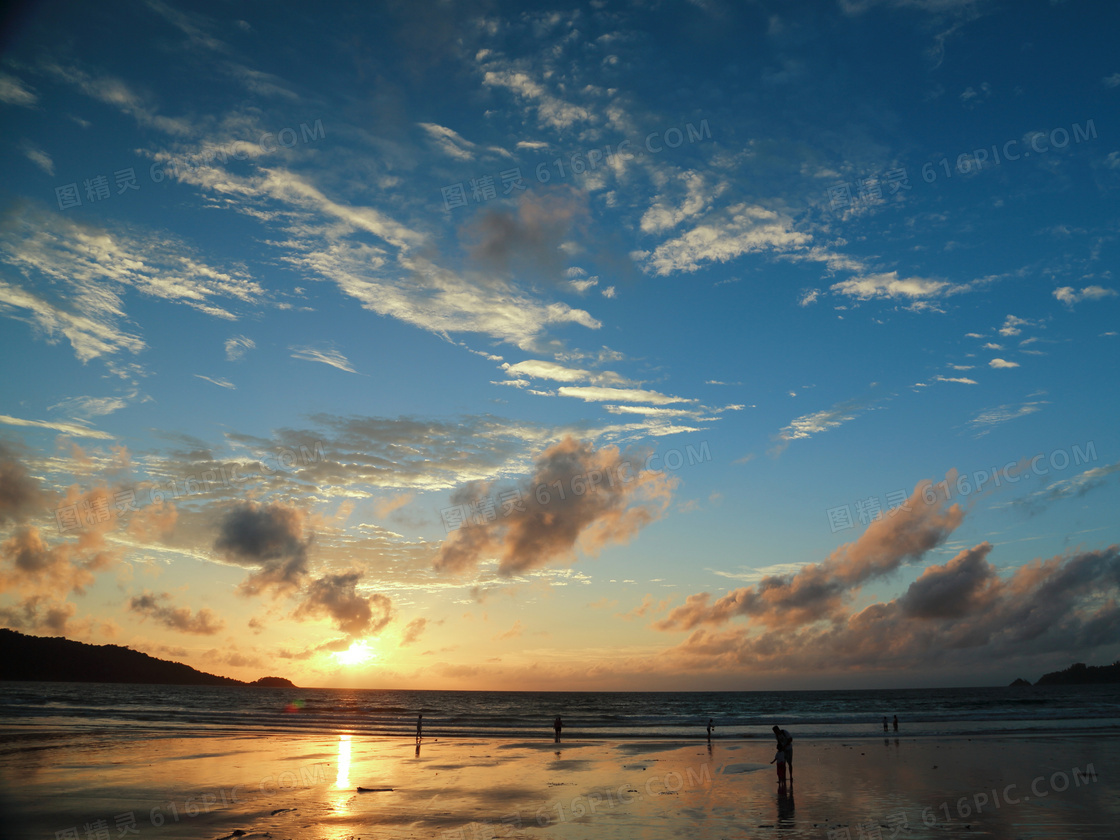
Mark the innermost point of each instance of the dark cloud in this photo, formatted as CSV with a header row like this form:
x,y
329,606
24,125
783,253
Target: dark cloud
x,y
527,238
820,590
551,526
202,623
336,597
953,590
961,615
20,496
39,613
270,539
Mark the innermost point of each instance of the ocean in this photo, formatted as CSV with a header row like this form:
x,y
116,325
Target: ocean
x,y
123,711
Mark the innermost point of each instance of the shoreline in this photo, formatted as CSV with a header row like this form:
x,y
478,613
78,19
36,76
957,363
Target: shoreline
x,y
305,787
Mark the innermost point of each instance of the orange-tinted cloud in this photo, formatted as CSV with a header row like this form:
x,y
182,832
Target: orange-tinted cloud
x,y
614,501
958,615
336,597
819,590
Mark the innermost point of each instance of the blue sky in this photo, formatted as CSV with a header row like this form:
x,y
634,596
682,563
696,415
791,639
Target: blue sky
x,y
310,319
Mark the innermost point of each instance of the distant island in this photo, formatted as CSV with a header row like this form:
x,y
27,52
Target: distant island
x,y
1078,674
55,659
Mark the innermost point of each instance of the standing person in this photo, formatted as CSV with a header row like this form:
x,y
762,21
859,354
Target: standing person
x,y
710,728
419,727
785,745
558,725
780,759
896,723
884,723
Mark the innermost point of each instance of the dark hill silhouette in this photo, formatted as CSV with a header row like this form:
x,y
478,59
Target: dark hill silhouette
x,y
1081,674
55,659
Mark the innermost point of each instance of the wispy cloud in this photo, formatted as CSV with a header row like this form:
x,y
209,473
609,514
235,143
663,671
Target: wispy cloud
x,y
221,383
326,356
807,425
72,429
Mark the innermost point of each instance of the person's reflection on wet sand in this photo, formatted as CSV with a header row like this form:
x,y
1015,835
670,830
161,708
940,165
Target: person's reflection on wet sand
x,y
785,806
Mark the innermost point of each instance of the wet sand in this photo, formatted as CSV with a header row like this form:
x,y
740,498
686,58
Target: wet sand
x,y
306,788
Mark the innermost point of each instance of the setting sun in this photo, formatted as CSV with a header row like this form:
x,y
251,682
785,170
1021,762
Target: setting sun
x,y
356,654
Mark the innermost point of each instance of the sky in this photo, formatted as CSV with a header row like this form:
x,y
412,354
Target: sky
x,y
623,345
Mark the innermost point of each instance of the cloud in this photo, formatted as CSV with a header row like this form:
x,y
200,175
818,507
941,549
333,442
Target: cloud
x,y
269,539
985,420
549,528
960,380
809,297
512,633
888,286
1002,363
327,357
527,238
20,494
90,270
1069,296
819,590
384,508
221,383
808,425
1066,488
962,614
38,157
202,623
1011,325
238,346
72,429
14,92
552,110
413,630
539,369
454,145
741,229
597,394
336,597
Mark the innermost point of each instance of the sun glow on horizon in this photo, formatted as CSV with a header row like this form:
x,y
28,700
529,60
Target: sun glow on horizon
x,y
358,653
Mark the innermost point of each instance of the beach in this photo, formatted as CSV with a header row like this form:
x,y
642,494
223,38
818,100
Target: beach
x,y
306,787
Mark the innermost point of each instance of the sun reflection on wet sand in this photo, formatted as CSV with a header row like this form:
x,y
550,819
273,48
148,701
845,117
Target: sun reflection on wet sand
x,y
343,780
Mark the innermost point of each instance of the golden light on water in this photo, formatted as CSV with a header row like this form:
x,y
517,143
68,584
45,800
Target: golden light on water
x,y
343,780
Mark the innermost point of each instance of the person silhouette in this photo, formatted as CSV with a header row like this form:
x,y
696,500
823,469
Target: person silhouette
x,y
896,723
419,727
710,728
785,744
558,725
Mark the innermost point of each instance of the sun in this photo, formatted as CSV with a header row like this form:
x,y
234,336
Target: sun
x,y
356,654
